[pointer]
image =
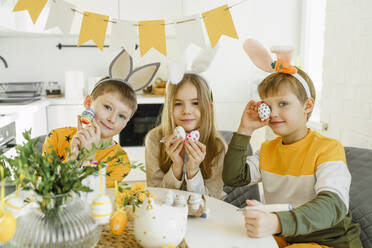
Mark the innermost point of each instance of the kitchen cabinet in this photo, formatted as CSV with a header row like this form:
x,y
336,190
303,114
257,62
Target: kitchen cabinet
x,y
63,115
34,118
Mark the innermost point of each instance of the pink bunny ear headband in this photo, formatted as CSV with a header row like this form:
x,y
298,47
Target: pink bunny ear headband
x,y
262,59
121,70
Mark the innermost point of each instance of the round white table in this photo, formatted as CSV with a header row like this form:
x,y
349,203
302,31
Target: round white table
x,y
223,228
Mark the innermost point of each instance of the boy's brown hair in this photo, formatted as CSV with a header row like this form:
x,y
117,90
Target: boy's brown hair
x,y
128,96
272,83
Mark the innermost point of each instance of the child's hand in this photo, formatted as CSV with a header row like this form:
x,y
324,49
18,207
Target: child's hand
x,y
174,149
85,137
250,120
89,135
196,153
75,142
259,223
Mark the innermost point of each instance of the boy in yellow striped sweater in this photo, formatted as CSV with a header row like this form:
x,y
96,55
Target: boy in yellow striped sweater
x,y
300,167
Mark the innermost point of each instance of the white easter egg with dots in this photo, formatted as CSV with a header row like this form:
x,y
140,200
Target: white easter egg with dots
x,y
264,111
193,136
179,132
102,209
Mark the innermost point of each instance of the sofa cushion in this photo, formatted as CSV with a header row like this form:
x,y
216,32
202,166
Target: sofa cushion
x,y
360,165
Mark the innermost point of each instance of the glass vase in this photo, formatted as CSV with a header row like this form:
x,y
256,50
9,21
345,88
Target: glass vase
x,y
58,221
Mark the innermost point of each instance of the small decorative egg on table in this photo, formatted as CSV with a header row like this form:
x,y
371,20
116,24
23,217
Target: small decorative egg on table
x,y
197,206
101,205
119,219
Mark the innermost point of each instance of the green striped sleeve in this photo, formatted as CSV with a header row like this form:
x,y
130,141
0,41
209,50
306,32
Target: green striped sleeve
x,y
324,211
235,169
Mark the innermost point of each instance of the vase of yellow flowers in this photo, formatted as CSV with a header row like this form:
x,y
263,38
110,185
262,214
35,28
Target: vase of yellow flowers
x,y
55,216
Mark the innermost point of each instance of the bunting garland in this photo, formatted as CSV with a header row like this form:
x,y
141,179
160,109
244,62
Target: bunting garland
x,y
93,28
60,15
123,34
189,30
217,22
152,34
34,7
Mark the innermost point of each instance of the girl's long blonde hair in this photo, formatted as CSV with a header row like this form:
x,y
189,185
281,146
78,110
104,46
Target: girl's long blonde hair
x,y
208,133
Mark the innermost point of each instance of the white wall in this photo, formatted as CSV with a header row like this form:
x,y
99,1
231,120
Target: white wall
x,y
347,92
232,76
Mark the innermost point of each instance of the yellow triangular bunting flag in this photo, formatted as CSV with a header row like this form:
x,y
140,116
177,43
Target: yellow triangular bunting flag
x,y
218,21
34,7
152,34
93,28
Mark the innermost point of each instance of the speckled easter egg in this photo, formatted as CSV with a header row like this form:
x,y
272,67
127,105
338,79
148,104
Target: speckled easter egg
x,y
193,136
102,209
263,111
14,204
179,132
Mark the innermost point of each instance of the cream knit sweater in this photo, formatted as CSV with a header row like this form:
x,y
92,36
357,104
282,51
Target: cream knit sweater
x,y
157,178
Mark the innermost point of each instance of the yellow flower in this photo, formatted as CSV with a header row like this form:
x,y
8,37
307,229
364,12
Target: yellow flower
x,y
153,196
142,197
138,187
121,195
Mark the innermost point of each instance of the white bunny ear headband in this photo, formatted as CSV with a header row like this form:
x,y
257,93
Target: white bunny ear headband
x,y
262,59
121,69
177,69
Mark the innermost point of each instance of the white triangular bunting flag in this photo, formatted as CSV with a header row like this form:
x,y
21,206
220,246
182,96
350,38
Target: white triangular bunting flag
x,y
124,35
189,32
60,15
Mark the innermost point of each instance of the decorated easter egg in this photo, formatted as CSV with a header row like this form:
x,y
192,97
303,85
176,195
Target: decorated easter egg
x,y
7,226
169,198
263,111
195,201
102,209
179,132
193,136
87,116
14,204
118,222
180,201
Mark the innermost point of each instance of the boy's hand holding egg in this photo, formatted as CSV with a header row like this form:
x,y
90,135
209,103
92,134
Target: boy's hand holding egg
x,y
87,134
251,119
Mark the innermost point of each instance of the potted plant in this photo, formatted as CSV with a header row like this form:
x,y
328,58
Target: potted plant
x,y
56,217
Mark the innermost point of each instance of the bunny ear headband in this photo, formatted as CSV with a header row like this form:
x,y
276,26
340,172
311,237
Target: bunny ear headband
x,y
262,59
177,69
121,69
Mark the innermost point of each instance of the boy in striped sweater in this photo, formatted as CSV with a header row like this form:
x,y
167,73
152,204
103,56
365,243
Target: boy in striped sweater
x,y
300,167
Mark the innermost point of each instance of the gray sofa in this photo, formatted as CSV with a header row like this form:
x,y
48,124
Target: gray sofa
x,y
360,165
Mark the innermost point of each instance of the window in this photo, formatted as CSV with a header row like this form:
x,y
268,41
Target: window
x,y
312,47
